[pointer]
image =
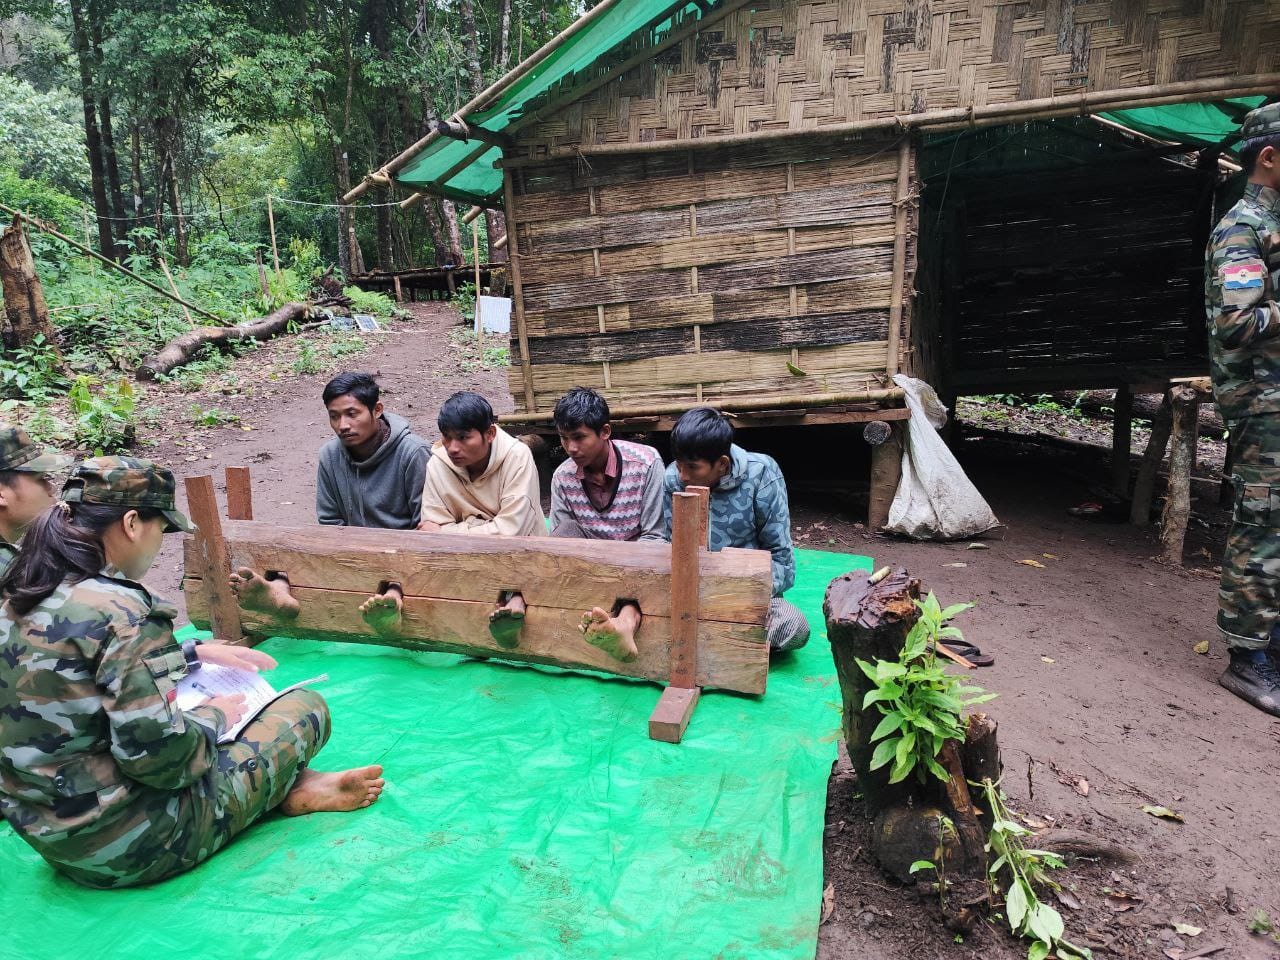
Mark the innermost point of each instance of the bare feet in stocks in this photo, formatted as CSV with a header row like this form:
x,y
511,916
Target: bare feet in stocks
x,y
382,611
271,597
615,635
505,622
315,792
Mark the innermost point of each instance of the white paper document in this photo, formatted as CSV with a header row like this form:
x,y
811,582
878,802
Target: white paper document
x,y
215,680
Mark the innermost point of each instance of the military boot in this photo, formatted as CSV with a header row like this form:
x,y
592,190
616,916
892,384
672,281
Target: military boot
x,y
1252,676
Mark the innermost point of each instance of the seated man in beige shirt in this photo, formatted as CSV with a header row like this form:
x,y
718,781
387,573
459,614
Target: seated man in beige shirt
x,y
481,480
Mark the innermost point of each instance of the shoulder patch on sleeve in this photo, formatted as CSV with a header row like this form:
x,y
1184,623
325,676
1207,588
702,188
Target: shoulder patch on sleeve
x,y
1242,275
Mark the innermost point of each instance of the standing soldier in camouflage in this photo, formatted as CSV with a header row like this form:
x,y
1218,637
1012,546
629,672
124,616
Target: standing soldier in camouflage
x,y
1242,273
26,487
100,772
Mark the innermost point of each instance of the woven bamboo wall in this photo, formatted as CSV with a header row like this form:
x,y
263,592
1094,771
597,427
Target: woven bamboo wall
x,y
783,64
699,276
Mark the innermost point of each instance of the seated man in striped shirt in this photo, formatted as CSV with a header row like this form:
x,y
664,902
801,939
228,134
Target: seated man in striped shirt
x,y
607,490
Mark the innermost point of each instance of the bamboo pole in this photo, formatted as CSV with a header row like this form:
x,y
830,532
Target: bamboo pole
x,y
484,96
471,215
107,260
275,252
517,294
901,199
1081,104
88,241
475,257
744,404
174,287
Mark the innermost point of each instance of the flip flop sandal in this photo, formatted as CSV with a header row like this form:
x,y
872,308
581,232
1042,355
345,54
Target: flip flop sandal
x,y
963,648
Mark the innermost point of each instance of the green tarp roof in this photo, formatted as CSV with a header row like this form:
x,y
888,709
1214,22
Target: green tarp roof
x,y
1191,123
476,180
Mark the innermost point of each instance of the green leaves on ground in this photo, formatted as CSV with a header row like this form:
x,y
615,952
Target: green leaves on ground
x,y
921,705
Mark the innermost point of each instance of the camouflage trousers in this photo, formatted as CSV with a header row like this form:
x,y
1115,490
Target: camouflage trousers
x,y
785,626
1249,595
252,777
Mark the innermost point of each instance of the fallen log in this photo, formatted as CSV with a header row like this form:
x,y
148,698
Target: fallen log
x,y
185,347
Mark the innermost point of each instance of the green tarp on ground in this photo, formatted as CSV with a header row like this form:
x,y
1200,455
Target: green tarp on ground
x,y
527,815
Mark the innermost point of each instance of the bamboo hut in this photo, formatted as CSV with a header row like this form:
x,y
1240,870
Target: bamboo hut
x,y
720,202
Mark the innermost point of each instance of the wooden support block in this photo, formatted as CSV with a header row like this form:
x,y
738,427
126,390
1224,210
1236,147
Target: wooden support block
x,y
239,494
1121,440
214,560
672,714
704,514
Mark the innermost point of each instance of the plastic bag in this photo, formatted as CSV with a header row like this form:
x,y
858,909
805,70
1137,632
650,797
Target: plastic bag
x,y
935,500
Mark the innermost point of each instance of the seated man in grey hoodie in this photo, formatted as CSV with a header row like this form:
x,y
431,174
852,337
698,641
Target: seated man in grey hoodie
x,y
370,475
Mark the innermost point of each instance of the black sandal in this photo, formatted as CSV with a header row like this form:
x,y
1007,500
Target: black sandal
x,y
963,648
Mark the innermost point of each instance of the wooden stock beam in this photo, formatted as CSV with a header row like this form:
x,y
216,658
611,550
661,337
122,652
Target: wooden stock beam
x,y
239,494
452,582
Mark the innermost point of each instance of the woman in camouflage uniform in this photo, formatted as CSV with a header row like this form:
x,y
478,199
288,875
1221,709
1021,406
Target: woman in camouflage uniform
x,y
100,772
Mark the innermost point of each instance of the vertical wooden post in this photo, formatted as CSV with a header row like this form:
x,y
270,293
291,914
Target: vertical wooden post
x,y
1121,439
224,612
886,473
88,242
239,494
1145,483
513,257
704,514
262,275
675,707
902,198
475,256
275,251
399,292
1177,503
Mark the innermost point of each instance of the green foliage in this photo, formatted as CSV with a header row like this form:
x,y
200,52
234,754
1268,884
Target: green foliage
x,y
40,200
306,258
1027,870
366,301
476,355
465,301
103,414
32,372
919,702
211,416
41,136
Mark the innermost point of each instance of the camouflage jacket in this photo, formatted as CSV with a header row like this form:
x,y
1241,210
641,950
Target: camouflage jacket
x,y
1242,273
8,553
749,509
94,755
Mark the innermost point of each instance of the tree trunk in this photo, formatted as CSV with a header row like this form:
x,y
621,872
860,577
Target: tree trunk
x,y
92,138
135,171
504,36
1177,503
471,44
432,216
495,225
453,232
181,349
179,222
109,158
342,171
24,303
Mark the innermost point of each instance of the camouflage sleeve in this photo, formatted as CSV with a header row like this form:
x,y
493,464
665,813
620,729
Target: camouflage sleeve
x,y
153,741
773,527
1240,310
670,484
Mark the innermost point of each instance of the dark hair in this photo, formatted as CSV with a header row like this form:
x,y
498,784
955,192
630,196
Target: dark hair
x,y
463,412
702,434
8,477
1250,149
61,542
581,407
360,385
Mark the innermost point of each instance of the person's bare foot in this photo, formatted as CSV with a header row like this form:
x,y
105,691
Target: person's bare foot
x,y
255,592
615,635
505,622
382,611
315,792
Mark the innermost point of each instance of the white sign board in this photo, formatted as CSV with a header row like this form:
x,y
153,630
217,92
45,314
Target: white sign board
x,y
494,313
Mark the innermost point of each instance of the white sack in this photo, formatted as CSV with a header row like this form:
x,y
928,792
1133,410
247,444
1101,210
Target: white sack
x,y
935,500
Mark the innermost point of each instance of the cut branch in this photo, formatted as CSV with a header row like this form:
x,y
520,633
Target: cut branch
x,y
184,348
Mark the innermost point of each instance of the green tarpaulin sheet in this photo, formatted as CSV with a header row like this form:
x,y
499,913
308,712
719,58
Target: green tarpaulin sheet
x,y
527,814
1193,123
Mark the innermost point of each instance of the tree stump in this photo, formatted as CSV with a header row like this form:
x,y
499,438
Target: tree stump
x,y
24,303
935,821
1182,445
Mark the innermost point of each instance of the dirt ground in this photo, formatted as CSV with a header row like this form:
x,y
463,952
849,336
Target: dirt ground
x,y
1095,667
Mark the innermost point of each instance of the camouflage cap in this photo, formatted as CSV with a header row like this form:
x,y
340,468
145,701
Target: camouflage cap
x,y
1263,121
127,482
19,452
